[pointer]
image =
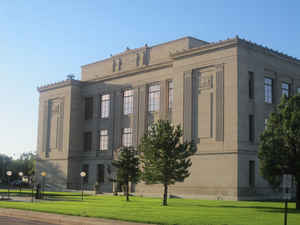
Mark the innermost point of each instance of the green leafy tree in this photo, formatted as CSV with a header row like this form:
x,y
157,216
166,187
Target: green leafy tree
x,y
165,158
279,150
25,163
127,168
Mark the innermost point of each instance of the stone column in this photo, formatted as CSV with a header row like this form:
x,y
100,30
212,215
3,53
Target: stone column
x,y
117,118
135,117
142,111
220,102
163,100
187,105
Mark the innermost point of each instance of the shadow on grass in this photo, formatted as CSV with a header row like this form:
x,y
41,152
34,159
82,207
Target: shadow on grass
x,y
260,208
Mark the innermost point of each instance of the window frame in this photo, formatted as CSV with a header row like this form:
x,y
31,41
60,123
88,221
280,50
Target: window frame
x,y
170,85
103,140
252,174
251,128
154,97
88,107
87,141
268,97
104,106
127,138
128,102
251,85
286,88
100,179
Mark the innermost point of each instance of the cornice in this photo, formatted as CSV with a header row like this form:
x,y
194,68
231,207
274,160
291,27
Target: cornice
x,y
231,43
268,51
205,48
146,68
59,84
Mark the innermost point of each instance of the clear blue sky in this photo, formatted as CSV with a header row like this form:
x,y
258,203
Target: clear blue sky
x,y
43,41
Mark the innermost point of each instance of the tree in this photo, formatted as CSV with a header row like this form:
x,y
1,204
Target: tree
x,y
127,168
25,163
279,149
165,158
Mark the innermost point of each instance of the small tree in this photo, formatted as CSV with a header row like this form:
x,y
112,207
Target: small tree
x,y
165,158
279,150
127,168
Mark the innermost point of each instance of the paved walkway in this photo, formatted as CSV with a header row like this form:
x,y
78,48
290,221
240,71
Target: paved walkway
x,y
5,220
41,218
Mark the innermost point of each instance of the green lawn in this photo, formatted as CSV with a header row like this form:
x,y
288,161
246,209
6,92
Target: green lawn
x,y
179,211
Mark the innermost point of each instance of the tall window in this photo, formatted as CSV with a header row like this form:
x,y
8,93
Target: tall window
x,y
251,84
105,99
127,137
103,140
171,94
285,89
251,128
85,168
100,173
298,90
88,108
266,123
252,173
128,102
268,90
87,141
153,98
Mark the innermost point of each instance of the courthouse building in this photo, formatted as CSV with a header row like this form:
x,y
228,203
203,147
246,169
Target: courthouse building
x,y
221,93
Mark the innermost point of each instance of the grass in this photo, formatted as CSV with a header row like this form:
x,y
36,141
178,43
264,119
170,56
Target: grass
x,y
149,210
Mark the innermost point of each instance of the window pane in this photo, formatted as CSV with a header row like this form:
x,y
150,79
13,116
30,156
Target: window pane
x,y
103,140
88,106
171,93
100,173
251,128
154,98
266,122
251,84
128,102
105,100
285,89
87,141
251,173
127,137
268,90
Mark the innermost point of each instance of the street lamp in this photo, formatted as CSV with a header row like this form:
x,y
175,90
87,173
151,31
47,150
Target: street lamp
x,y
9,174
82,174
21,175
43,174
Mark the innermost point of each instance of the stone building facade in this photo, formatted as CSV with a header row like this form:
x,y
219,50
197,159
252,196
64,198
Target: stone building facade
x,y
221,93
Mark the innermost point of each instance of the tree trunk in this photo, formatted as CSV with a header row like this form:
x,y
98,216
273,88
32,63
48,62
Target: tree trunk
x,y
298,194
165,202
127,191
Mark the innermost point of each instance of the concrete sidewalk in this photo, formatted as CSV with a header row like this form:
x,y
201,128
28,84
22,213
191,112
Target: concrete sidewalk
x,y
61,219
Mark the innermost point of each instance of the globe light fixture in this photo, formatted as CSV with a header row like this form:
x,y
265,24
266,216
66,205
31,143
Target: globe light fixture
x,y
9,174
20,175
44,174
82,174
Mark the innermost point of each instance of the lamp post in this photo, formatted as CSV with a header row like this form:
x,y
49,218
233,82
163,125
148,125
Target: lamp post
x,y
8,173
21,175
32,188
286,184
82,174
43,174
